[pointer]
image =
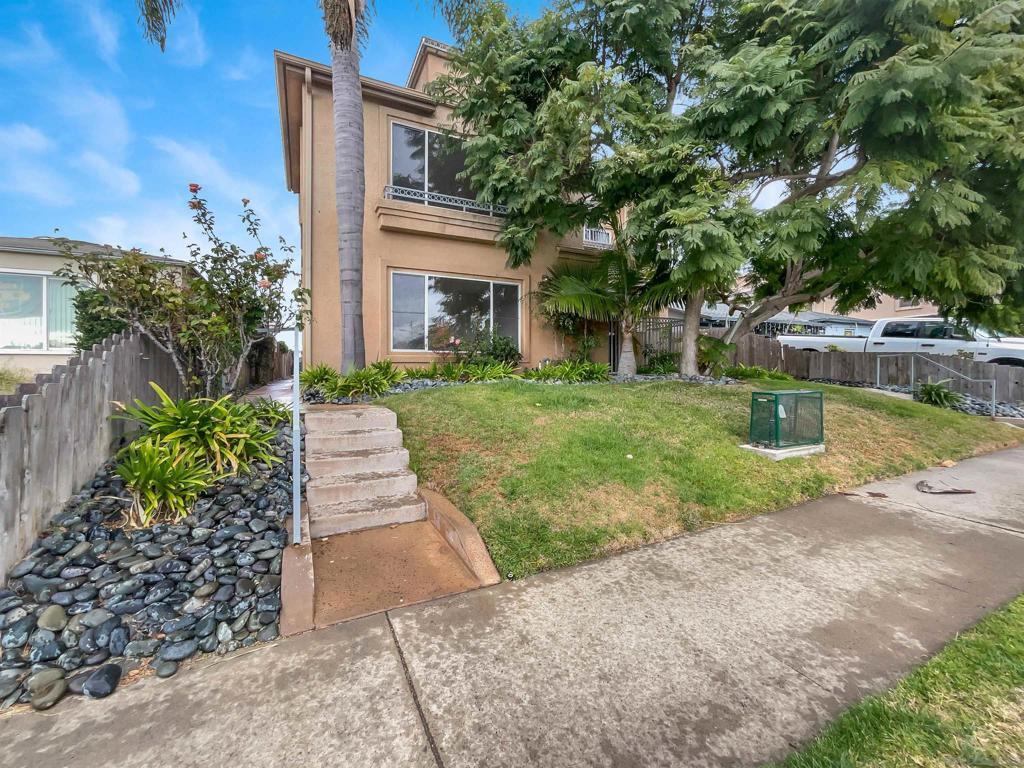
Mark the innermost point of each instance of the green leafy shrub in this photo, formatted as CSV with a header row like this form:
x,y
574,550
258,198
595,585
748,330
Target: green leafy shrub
x,y
228,433
366,382
937,393
95,319
432,371
164,480
660,363
755,372
490,371
317,376
271,412
712,355
571,371
502,349
392,373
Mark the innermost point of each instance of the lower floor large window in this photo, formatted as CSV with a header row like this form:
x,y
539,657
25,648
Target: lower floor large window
x,y
427,311
36,313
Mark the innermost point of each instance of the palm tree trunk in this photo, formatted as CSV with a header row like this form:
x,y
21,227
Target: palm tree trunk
x,y
349,191
688,365
627,360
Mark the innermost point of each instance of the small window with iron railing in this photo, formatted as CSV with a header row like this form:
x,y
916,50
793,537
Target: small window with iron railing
x,y
426,167
597,237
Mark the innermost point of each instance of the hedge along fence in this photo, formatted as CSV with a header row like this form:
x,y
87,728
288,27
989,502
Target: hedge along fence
x,y
894,369
56,431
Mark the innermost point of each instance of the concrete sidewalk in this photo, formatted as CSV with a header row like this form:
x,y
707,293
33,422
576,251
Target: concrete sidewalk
x,y
725,648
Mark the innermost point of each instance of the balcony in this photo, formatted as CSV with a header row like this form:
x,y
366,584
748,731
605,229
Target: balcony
x,y
443,201
597,237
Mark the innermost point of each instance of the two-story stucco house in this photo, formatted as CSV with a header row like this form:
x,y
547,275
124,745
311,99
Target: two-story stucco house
x,y
431,267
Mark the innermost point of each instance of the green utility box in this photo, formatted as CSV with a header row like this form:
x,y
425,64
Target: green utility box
x,y
788,418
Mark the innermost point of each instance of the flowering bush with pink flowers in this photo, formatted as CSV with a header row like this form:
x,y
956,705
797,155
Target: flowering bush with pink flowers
x,y
206,316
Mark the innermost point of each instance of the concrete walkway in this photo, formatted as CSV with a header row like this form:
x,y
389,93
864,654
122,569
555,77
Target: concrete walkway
x,y
725,648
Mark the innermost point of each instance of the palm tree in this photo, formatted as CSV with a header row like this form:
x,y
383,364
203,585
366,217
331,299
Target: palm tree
x,y
615,289
346,23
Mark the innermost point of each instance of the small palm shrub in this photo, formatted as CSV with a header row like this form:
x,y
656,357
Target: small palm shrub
x,y
937,393
432,371
317,376
391,372
164,480
366,382
712,355
755,372
491,371
570,371
228,433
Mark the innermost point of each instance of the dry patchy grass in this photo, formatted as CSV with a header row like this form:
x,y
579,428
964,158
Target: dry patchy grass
x,y
546,474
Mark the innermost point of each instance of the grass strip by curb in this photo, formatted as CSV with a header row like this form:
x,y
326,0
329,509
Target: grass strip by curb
x,y
964,707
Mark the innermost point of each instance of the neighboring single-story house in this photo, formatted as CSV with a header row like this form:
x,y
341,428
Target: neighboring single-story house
x,y
37,319
886,306
431,268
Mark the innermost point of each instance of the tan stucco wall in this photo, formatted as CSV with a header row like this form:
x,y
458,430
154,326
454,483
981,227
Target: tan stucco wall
x,y
887,307
407,236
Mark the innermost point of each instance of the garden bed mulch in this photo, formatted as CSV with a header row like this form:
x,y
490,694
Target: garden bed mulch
x,y
93,602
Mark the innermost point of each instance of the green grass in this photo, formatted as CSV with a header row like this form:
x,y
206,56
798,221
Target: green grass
x,y
964,708
11,378
544,471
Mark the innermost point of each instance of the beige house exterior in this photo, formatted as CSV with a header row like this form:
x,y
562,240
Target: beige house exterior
x,y
37,319
887,306
426,244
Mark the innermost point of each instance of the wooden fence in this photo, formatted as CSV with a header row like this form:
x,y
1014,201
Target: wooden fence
x,y
896,370
55,432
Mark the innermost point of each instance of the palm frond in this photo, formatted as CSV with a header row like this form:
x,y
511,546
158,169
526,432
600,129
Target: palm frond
x,y
155,16
347,22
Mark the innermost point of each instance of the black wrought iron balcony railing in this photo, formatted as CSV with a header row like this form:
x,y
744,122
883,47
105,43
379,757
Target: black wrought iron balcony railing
x,y
443,201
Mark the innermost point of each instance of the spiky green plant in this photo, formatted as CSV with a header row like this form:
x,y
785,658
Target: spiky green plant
x,y
164,480
317,377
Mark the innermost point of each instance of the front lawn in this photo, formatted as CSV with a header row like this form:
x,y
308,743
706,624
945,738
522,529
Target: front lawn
x,y
554,475
965,707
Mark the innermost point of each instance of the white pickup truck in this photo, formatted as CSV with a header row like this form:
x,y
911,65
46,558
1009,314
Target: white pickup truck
x,y
926,335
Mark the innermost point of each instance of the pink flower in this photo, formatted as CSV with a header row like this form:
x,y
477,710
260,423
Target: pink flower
x,y
245,201
451,339
193,188
457,342
264,283
260,256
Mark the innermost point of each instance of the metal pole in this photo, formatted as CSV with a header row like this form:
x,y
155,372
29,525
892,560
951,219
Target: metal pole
x,y
878,372
993,398
296,447
913,375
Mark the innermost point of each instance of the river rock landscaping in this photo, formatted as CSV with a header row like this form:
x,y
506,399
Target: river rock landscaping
x,y
92,601
969,404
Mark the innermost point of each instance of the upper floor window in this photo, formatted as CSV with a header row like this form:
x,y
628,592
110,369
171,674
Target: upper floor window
x,y
597,237
425,166
36,313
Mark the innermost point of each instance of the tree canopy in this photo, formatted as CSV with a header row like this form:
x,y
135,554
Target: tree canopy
x,y
838,149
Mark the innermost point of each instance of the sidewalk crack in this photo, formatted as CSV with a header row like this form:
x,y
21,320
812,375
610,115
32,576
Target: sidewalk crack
x,y
415,697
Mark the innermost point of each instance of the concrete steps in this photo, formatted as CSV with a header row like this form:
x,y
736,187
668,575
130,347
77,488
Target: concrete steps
x,y
359,473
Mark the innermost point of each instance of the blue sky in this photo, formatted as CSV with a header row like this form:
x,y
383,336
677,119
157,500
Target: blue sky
x,y
101,133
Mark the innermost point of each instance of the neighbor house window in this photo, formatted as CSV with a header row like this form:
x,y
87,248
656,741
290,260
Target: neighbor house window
x,y
36,313
427,311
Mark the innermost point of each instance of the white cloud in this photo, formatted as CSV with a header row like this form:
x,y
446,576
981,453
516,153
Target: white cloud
x,y
150,226
99,117
245,66
115,177
185,40
19,137
104,27
34,50
26,168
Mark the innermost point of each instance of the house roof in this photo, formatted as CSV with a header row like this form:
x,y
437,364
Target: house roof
x,y
295,73
427,46
47,246
721,312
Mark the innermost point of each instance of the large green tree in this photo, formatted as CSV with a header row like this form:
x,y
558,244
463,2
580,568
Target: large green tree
x,y
574,119
890,132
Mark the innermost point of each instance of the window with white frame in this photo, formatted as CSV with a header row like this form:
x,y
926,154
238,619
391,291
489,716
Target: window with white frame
x,y
598,237
428,311
36,313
